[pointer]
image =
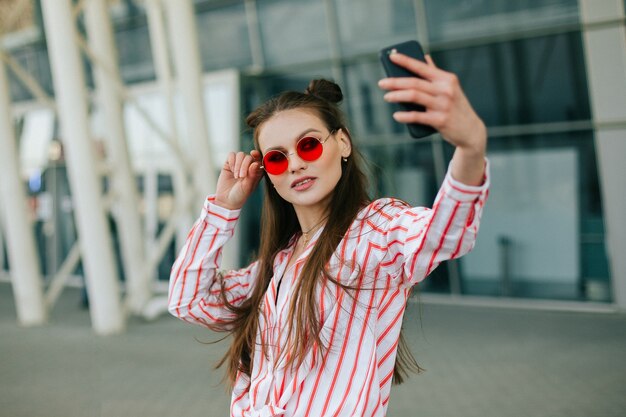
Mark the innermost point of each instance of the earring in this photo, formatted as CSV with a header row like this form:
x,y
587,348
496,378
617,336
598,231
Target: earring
x,y
345,159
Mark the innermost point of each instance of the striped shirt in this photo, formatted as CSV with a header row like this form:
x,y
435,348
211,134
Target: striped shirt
x,y
388,248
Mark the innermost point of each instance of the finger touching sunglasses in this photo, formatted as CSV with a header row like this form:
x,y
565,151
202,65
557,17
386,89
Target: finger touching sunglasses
x,y
309,148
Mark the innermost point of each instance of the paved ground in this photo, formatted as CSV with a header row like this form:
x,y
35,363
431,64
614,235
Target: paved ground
x,y
485,362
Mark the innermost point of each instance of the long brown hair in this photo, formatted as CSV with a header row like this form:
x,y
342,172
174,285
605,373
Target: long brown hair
x,y
279,224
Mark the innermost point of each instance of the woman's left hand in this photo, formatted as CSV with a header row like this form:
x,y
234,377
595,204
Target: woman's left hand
x,y
440,92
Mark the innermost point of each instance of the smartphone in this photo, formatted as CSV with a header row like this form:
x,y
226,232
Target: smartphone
x,y
414,50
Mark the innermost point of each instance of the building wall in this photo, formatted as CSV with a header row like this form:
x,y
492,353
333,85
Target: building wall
x,y
522,65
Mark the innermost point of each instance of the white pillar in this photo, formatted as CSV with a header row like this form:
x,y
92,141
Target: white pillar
x,y
160,52
605,55
2,264
151,215
25,273
95,239
184,42
125,209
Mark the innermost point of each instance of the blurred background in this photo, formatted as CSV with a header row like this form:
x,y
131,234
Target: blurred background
x,y
117,115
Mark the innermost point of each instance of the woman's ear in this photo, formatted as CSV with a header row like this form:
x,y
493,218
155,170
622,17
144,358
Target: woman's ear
x,y
345,142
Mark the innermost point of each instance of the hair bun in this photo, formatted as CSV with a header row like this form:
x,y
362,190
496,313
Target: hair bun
x,y
326,90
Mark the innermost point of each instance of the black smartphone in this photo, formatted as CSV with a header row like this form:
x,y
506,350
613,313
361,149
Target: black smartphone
x,y
414,50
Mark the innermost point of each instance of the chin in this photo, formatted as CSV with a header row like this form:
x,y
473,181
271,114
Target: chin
x,y
308,199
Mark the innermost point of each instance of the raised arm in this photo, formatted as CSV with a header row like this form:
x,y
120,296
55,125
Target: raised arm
x,y
447,110
195,283
419,239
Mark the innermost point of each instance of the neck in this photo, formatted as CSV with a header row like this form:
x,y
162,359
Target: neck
x,y
312,229
311,219
308,233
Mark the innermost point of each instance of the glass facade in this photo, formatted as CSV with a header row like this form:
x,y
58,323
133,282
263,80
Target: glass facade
x,y
223,36
452,20
132,38
520,63
531,80
539,236
293,31
363,23
34,59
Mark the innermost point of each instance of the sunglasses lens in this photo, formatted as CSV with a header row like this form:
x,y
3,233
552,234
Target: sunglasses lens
x,y
309,148
275,162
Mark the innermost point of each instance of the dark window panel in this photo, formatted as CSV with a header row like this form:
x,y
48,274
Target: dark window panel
x,y
293,31
534,80
588,250
34,60
369,113
370,25
223,37
135,52
454,20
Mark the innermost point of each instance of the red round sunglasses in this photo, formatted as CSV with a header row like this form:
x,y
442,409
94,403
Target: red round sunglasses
x,y
308,148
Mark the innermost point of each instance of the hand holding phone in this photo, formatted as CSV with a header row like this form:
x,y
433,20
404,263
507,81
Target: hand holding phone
x,y
414,50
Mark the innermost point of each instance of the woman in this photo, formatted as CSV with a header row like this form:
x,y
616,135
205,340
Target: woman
x,y
316,318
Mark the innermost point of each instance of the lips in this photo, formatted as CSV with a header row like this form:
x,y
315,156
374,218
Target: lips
x,y
302,182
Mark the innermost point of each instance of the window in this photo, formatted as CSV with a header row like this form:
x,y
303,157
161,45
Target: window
x,y
293,31
532,80
223,37
454,20
370,25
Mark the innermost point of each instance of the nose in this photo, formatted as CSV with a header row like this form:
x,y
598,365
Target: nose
x,y
296,163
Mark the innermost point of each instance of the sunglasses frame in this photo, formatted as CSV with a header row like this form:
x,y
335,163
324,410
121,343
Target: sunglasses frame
x,y
287,155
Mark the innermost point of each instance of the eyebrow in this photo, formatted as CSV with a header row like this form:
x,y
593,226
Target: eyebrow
x,y
298,137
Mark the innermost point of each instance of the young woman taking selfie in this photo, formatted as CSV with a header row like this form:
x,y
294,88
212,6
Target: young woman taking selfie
x,y
315,319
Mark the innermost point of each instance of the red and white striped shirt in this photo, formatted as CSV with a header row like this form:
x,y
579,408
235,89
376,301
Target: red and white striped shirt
x,y
389,248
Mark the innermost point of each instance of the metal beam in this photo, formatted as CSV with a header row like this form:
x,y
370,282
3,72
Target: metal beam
x,y
24,272
122,93
254,35
123,182
332,30
96,245
181,23
28,80
182,187
62,275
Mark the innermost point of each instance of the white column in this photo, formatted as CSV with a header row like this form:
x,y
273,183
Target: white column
x,y
185,49
25,273
605,55
2,263
151,215
125,209
254,34
160,51
95,239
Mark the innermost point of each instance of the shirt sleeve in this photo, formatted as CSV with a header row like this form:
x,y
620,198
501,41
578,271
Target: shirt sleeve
x,y
195,282
418,239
